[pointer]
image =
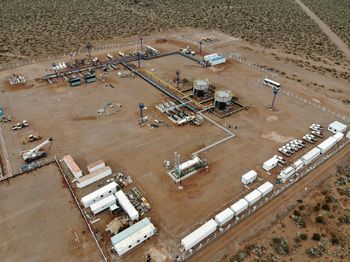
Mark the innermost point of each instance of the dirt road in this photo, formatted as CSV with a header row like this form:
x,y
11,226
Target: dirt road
x,y
325,28
233,239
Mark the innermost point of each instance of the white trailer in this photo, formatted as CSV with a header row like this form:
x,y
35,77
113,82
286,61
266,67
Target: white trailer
x,y
93,177
270,164
298,164
72,166
253,197
239,206
348,135
125,203
103,204
327,144
311,155
199,234
223,217
336,127
249,177
286,173
93,167
99,194
133,236
265,188
339,136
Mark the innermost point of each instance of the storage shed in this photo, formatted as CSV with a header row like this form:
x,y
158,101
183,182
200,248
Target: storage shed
x,y
93,177
133,236
336,127
270,164
199,234
265,188
249,177
103,204
224,216
239,206
253,197
99,194
125,203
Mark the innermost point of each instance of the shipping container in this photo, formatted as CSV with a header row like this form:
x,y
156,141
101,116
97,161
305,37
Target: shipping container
x,y
224,216
339,136
239,206
199,234
270,164
311,155
103,204
265,188
327,144
93,167
253,197
93,177
249,177
72,166
125,203
99,194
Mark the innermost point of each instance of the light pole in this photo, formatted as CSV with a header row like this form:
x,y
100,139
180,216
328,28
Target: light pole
x,y
139,58
200,47
141,106
141,42
89,47
177,78
275,91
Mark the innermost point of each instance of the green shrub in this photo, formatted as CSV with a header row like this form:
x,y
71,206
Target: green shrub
x,y
316,237
320,219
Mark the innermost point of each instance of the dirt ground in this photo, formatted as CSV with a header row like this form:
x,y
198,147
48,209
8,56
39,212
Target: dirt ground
x,y
69,115
40,222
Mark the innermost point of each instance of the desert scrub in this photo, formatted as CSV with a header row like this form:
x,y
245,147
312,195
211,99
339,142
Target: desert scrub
x,y
280,244
239,256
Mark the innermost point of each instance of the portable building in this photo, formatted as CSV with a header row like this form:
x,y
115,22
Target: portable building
x,y
125,203
311,155
133,236
239,206
72,166
337,126
339,136
214,59
265,188
249,177
93,177
270,164
298,164
93,167
99,194
224,216
210,56
348,135
327,144
103,204
287,173
199,234
253,197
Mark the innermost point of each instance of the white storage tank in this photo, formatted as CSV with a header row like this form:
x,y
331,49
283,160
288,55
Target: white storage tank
x,y
270,164
200,87
253,197
265,188
327,144
99,194
239,206
222,98
224,217
93,177
199,234
125,203
311,155
103,204
93,167
249,177
339,136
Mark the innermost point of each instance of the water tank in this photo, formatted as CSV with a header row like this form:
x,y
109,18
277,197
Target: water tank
x,y
222,98
200,87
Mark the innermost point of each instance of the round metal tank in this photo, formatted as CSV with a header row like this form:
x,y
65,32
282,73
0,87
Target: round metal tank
x,y
222,98
200,87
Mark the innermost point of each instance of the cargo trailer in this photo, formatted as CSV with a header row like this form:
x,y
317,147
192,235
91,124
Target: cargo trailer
x,y
125,203
99,194
224,217
327,144
239,206
298,164
270,164
253,197
93,177
311,155
249,177
103,204
199,234
286,173
265,188
339,136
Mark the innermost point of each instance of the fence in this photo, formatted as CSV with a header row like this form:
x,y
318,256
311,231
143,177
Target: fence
x,y
262,202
